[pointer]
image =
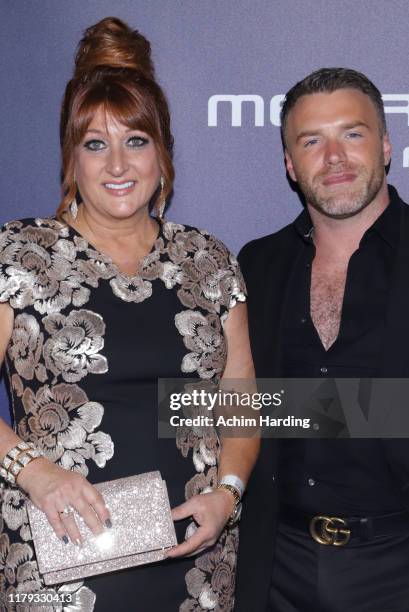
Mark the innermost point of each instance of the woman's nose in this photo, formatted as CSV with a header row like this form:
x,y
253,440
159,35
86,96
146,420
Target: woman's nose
x,y
117,163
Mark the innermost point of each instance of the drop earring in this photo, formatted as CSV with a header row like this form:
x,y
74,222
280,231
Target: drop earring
x,y
162,205
74,208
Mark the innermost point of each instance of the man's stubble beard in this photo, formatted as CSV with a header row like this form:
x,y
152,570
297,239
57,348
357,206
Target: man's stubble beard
x,y
353,200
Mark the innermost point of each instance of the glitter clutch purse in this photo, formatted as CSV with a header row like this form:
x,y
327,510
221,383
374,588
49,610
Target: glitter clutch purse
x,y
142,529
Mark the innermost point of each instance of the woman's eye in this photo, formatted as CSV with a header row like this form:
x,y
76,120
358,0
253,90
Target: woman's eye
x,y
136,141
94,145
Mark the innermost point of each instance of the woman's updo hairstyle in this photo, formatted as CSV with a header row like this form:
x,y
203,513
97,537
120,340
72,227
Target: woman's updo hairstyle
x,y
114,70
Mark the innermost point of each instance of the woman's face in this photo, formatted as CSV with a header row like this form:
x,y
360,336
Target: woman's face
x,y
116,168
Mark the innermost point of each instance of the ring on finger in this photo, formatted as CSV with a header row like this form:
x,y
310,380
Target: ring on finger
x,y
67,510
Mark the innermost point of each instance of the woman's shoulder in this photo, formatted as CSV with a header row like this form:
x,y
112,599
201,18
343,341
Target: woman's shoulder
x,y
34,229
194,238
34,222
209,268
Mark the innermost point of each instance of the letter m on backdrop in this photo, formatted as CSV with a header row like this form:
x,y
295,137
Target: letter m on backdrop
x,y
236,102
390,103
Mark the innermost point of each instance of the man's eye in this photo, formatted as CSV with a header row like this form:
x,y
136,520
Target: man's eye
x,y
136,141
94,145
354,135
310,142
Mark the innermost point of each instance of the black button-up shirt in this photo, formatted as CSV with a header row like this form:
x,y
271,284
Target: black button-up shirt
x,y
341,477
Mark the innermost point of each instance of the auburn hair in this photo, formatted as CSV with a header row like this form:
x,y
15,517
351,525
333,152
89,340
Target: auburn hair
x,y
114,71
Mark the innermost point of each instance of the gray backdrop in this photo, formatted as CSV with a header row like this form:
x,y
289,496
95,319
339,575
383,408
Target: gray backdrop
x,y
230,179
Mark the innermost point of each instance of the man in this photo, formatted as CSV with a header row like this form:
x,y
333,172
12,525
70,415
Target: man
x,y
329,297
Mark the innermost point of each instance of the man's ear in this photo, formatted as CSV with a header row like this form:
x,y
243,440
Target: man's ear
x,y
289,165
387,149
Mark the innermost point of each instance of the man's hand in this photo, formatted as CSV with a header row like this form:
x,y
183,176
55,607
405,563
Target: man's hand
x,y
211,512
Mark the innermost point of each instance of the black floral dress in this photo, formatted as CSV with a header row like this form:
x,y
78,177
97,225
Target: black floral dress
x,y
88,345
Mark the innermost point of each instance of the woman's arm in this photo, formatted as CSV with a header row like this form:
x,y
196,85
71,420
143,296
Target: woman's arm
x,y
238,455
49,486
8,438
211,511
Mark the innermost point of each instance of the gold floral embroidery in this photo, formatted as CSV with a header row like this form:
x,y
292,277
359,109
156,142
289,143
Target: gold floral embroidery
x,y
210,583
13,558
95,267
205,446
40,266
14,512
25,348
171,275
17,385
72,351
211,276
43,266
151,267
204,338
131,289
201,483
61,421
9,288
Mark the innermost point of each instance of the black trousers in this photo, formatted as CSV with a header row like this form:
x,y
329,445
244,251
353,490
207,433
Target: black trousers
x,y
370,576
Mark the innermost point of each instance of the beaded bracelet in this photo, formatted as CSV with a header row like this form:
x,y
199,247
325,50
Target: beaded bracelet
x,y
16,459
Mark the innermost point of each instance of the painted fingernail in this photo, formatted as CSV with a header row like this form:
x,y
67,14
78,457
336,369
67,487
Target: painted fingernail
x,y
108,523
65,539
78,542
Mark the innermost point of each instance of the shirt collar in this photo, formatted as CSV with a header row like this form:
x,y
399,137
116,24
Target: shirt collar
x,y
386,225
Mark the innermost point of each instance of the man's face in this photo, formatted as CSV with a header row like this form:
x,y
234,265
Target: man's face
x,y
336,152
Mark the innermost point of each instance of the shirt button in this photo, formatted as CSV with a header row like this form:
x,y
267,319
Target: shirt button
x,y
311,482
323,370
303,320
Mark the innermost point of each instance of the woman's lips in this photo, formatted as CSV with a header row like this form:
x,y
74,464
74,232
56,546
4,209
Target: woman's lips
x,y
120,189
336,179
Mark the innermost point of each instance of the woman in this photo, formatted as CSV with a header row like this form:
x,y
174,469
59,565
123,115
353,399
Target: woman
x,y
97,303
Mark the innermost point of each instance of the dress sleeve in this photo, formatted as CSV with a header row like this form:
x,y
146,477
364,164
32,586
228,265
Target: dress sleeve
x,y
232,288
9,278
237,292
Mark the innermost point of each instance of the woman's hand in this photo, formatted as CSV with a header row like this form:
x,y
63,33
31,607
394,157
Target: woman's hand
x,y
52,488
210,511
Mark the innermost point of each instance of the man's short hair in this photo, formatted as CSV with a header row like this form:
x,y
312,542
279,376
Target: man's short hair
x,y
328,80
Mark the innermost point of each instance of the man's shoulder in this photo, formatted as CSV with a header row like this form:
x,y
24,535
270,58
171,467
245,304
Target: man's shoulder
x,y
267,245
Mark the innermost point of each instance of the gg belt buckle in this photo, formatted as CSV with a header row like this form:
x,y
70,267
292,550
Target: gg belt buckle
x,y
330,530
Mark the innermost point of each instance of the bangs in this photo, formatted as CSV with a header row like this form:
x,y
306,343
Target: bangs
x,y
130,108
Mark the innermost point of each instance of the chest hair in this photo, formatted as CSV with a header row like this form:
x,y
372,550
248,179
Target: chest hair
x,y
326,299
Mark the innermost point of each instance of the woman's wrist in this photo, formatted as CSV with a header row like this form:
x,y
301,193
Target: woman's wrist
x,y
28,476
17,459
235,508
234,481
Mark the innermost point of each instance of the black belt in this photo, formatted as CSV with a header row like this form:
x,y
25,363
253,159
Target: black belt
x,y
337,531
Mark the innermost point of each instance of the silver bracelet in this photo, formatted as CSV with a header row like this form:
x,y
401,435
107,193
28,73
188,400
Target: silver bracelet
x,y
16,459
